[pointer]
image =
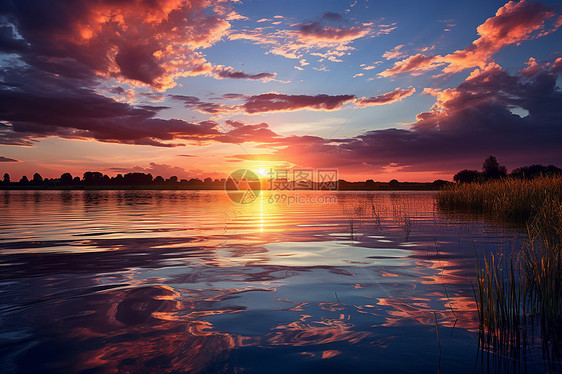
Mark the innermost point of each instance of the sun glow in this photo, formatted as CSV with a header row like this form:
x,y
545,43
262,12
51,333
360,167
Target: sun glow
x,y
261,172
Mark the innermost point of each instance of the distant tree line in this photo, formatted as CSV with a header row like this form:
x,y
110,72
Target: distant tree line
x,y
491,169
371,185
95,178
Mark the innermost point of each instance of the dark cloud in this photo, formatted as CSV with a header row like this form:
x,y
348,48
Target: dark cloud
x,y
387,98
202,106
241,133
276,102
317,31
9,137
152,42
62,51
7,159
235,96
51,105
137,62
331,16
235,74
323,29
465,125
270,102
9,42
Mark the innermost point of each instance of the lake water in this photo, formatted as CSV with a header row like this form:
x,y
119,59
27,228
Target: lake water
x,y
188,281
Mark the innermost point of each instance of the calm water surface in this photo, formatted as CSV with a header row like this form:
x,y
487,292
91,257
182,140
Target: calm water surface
x,y
182,281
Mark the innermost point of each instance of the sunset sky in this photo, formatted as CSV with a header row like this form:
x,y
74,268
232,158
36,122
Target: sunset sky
x,y
380,90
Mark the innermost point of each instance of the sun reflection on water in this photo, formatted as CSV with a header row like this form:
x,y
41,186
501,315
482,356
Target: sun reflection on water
x,y
190,278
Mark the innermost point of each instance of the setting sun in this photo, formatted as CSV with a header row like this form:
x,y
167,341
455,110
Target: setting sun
x,y
262,172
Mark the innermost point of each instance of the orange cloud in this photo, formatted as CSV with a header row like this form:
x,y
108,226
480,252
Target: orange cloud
x,y
532,68
394,53
512,24
416,64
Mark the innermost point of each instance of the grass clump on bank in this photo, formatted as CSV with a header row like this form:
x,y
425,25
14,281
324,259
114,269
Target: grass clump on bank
x,y
536,203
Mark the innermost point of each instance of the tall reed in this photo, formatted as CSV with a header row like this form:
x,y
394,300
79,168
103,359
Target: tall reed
x,y
514,288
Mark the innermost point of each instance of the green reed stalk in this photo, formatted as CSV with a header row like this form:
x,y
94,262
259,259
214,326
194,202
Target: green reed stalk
x,y
528,283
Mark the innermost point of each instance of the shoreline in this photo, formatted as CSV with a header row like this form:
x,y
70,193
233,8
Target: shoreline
x,y
169,188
